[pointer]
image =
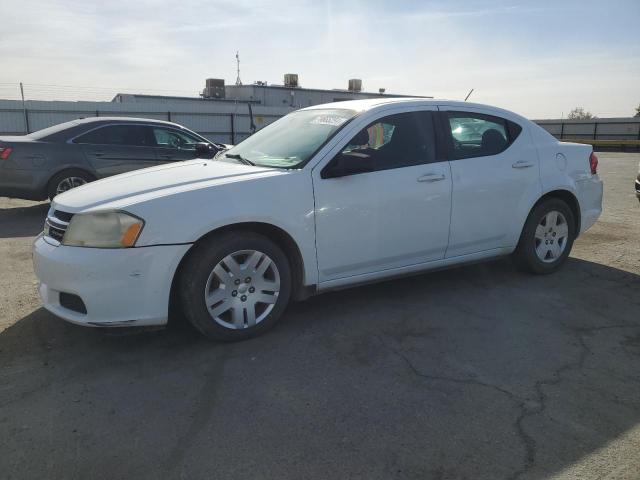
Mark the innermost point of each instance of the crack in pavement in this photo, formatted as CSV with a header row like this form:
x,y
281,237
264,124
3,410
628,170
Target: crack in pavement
x,y
527,441
528,407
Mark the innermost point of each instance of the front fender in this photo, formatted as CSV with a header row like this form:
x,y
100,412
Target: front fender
x,y
283,202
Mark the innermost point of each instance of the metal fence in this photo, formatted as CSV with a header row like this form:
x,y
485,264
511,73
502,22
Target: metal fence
x,y
622,133
221,127
213,122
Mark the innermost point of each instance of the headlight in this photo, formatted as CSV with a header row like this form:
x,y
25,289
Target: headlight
x,y
103,230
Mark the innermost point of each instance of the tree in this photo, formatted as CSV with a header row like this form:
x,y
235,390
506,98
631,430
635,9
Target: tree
x,y
637,111
579,113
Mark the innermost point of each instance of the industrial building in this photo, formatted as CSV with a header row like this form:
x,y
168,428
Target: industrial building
x,y
230,113
224,113
288,95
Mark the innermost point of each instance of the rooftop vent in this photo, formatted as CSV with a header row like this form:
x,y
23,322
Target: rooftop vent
x,y
355,85
214,88
291,80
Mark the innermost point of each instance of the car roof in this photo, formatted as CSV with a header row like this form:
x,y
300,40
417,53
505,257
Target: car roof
x,y
372,103
81,121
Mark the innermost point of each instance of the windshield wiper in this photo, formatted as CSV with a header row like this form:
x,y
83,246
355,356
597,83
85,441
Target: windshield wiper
x,y
237,156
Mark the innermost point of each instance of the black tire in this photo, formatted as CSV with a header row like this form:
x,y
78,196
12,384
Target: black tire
x,y
52,185
200,263
525,256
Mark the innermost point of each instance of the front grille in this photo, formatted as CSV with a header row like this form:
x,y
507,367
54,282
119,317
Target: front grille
x,y
56,224
54,232
64,216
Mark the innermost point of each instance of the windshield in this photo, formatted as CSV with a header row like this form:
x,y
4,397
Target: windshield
x,y
292,140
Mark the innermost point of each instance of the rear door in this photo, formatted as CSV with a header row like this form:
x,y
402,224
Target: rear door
x,y
174,145
495,175
118,148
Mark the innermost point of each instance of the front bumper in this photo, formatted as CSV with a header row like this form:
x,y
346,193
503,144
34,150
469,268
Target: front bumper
x,y
119,287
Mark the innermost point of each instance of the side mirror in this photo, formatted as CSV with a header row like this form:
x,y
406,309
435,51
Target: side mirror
x,y
345,164
205,150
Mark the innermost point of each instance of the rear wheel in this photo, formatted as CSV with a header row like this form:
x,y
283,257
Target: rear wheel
x,y
66,180
547,237
235,286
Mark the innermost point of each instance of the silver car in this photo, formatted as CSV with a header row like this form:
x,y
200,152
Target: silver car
x,y
50,161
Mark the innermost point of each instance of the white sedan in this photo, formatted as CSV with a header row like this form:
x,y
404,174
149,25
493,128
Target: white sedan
x,y
327,197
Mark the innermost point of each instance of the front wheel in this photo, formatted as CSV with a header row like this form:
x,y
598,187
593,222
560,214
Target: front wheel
x,y
547,237
235,286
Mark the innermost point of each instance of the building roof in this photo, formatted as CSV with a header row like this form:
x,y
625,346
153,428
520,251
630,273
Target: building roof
x,y
324,90
115,99
119,96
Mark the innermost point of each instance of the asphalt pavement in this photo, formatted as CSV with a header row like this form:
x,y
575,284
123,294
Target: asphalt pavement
x,y
479,372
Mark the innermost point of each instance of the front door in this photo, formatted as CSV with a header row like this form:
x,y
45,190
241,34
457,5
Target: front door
x,y
396,214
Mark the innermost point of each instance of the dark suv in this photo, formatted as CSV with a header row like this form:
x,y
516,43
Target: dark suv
x,y
51,161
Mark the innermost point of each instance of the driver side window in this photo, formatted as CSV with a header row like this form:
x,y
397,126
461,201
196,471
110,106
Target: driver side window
x,y
168,138
395,141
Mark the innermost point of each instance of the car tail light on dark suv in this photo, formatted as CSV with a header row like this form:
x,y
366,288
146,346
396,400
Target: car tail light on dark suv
x,y
5,152
593,163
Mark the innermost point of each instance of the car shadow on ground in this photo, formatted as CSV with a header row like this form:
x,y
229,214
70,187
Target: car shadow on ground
x,y
22,221
475,372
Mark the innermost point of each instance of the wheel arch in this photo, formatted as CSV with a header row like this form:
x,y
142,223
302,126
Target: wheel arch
x,y
68,168
276,234
569,198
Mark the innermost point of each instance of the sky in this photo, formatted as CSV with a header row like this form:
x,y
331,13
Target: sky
x,y
538,58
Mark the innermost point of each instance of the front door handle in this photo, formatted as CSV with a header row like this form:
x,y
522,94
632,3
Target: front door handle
x,y
522,164
431,177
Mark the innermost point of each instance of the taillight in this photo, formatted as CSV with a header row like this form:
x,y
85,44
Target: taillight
x,y
5,152
593,163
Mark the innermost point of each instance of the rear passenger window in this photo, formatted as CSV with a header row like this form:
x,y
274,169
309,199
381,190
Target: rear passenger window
x,y
131,135
478,135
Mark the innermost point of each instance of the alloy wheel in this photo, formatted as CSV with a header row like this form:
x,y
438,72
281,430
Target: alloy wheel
x,y
551,236
69,183
242,289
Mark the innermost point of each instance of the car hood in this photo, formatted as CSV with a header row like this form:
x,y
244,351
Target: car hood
x,y
126,189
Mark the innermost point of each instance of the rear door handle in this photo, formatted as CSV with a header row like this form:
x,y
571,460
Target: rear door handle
x,y
522,164
431,177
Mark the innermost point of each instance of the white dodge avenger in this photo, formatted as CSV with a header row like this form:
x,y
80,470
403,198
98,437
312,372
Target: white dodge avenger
x,y
326,197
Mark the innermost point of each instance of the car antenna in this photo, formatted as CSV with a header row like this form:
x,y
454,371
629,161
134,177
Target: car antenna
x,y
468,95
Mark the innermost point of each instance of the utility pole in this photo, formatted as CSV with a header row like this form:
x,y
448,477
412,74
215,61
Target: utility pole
x,y
24,109
238,81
